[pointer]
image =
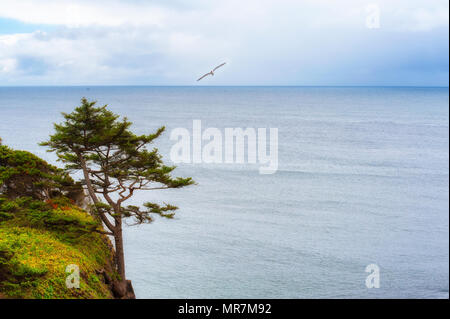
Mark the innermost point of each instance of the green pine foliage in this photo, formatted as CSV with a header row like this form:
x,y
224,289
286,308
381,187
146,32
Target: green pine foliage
x,y
116,163
96,140
41,229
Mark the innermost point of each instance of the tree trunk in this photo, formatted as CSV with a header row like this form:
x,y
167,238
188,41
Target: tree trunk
x,y
87,179
120,258
122,288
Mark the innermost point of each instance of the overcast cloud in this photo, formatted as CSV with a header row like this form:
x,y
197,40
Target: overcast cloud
x,y
265,42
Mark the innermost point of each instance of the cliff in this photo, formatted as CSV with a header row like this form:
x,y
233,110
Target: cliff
x,y
43,231
38,240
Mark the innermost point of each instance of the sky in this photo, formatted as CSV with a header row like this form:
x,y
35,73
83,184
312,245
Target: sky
x,y
264,42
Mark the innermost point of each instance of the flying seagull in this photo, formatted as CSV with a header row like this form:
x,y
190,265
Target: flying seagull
x,y
212,72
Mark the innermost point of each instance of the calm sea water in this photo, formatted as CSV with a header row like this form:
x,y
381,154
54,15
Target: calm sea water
x,y
363,178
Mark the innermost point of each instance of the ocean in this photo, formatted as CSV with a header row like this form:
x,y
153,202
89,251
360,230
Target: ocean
x,y
363,178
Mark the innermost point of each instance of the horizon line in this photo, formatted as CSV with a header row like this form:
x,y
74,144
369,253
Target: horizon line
x,y
216,86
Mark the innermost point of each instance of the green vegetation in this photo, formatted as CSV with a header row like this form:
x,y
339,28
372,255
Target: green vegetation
x,y
38,240
115,164
42,231
25,174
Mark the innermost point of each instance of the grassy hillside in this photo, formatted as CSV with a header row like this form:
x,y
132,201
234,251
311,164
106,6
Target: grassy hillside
x,y
39,239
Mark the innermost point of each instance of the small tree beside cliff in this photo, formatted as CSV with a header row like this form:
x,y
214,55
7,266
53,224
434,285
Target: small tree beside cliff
x,y
115,164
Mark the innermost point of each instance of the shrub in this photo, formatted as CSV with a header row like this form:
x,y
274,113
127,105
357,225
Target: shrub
x,y
24,174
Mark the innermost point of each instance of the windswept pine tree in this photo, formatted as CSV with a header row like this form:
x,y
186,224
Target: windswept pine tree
x,y
115,164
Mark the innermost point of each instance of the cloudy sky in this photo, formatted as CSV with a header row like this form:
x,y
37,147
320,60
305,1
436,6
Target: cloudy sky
x,y
265,42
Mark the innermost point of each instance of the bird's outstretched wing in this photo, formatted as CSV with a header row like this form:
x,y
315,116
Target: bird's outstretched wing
x,y
219,66
203,76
